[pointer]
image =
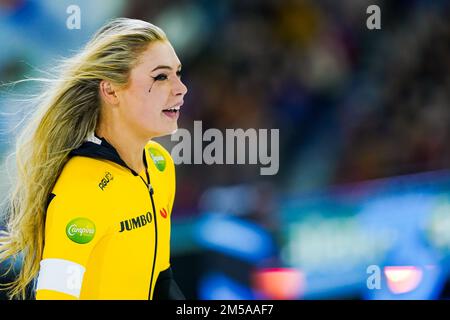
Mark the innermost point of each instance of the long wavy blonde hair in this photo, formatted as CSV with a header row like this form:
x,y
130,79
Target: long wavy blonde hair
x,y
67,111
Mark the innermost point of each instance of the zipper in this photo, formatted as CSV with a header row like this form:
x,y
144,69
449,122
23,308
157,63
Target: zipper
x,y
150,192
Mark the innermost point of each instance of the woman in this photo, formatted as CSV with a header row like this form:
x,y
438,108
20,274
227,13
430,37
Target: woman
x,y
93,199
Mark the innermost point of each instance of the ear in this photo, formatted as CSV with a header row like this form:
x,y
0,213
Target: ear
x,y
108,92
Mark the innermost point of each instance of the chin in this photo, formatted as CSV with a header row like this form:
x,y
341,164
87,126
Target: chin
x,y
172,129
168,131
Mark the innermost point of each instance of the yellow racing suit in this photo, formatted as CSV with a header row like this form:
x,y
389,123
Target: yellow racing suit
x,y
107,229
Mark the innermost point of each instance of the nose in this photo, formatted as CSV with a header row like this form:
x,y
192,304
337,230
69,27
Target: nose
x,y
179,88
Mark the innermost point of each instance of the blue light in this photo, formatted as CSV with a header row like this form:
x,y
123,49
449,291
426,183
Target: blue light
x,y
234,237
217,286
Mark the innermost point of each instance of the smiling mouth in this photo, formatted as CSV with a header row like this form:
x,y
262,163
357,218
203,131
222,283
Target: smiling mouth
x,y
172,112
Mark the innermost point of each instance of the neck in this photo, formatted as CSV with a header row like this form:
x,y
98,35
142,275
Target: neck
x,y
127,143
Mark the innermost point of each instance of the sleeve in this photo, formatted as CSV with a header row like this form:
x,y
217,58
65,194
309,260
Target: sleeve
x,y
71,232
169,182
172,181
166,287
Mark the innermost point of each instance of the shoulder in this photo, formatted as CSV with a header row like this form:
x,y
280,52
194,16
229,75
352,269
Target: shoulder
x,y
76,195
79,177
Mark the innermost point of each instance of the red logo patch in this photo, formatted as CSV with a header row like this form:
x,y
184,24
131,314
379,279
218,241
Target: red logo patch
x,y
163,213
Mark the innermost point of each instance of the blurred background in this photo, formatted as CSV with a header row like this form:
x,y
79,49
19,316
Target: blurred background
x,y
360,207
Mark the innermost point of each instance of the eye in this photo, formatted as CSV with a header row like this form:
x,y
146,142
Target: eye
x,y
160,77
179,73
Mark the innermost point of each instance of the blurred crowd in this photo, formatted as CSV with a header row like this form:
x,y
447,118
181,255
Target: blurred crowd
x,y
405,126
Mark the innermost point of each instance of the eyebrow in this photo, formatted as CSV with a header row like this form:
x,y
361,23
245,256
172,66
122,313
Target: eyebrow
x,y
165,67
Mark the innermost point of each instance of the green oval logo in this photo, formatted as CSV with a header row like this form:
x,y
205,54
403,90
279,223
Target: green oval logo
x,y
80,230
158,158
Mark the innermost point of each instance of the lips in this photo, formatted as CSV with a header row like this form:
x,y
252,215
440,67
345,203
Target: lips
x,y
173,111
174,108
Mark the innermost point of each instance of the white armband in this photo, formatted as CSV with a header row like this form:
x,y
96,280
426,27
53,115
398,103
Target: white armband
x,y
61,275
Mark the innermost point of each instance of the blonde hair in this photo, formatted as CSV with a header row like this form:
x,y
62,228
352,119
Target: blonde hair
x,y
68,110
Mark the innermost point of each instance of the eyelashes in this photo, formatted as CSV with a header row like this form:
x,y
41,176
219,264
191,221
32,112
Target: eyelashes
x,y
163,76
160,77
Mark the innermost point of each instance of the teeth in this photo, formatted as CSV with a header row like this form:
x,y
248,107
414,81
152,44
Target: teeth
x,y
173,109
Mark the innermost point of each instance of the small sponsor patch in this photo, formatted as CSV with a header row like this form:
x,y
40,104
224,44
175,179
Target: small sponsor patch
x,y
163,213
158,158
80,230
105,180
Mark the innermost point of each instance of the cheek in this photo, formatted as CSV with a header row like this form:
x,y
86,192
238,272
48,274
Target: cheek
x,y
142,106
144,111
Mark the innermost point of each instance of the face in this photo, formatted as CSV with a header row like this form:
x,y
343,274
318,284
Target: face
x,y
151,101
